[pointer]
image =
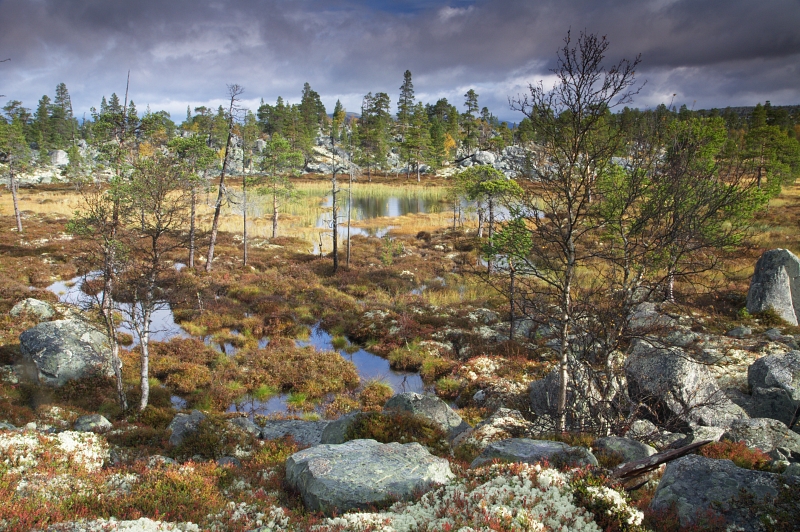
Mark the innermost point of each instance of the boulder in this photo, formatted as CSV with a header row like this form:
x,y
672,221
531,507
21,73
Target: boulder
x,y
56,352
59,158
7,426
431,408
630,450
501,425
184,424
642,430
768,435
677,389
362,473
92,423
695,484
774,382
532,451
483,157
698,433
776,285
35,307
303,432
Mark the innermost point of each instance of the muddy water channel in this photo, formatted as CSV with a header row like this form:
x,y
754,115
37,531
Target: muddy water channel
x,y
164,328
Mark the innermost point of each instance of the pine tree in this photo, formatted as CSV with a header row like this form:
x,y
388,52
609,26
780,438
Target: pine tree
x,y
405,109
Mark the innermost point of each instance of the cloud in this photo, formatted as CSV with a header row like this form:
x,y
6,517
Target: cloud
x,y
716,52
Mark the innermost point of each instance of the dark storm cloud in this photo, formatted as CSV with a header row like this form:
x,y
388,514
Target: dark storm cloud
x,y
181,52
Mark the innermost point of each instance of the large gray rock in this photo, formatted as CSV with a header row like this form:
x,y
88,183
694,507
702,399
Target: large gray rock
x,y
92,423
244,424
58,351
695,484
303,432
776,285
184,424
35,307
629,450
768,435
431,408
676,388
59,158
483,157
774,382
361,473
532,451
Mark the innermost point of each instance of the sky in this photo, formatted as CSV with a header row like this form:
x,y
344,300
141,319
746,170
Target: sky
x,y
707,53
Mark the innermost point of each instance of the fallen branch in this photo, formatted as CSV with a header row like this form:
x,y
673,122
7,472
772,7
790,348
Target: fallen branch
x,y
645,465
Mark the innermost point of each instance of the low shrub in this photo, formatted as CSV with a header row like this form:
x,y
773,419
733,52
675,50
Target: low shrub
x,y
738,453
214,438
402,427
374,395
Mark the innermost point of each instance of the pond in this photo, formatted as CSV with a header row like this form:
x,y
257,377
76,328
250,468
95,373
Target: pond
x,y
164,328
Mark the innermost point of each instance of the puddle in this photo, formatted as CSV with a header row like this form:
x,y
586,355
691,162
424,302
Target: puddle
x,y
164,328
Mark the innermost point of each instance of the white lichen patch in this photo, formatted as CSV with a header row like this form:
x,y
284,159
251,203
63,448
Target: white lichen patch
x,y
21,451
523,497
139,525
249,516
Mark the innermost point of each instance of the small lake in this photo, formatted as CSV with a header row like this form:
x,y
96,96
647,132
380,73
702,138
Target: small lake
x,y
164,328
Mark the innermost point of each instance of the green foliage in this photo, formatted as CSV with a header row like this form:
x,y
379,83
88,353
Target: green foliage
x,y
402,427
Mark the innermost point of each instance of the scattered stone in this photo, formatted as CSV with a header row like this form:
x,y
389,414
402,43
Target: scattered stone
x,y
532,451
483,157
302,432
229,460
502,425
698,433
677,389
184,424
431,408
740,332
792,470
773,334
774,381
768,435
668,440
7,426
35,307
92,423
627,448
362,473
483,316
58,351
776,285
695,484
243,423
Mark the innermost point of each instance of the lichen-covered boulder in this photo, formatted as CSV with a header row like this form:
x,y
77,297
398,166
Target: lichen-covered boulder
x,y
502,425
184,424
776,285
768,435
303,432
774,382
92,423
35,307
678,390
695,485
336,431
532,451
629,450
56,352
245,425
362,473
431,408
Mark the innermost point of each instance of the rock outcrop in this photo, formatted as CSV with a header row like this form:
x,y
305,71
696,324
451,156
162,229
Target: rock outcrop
x,y
776,285
695,485
58,351
361,473
92,423
184,424
629,450
532,451
678,390
502,425
774,382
